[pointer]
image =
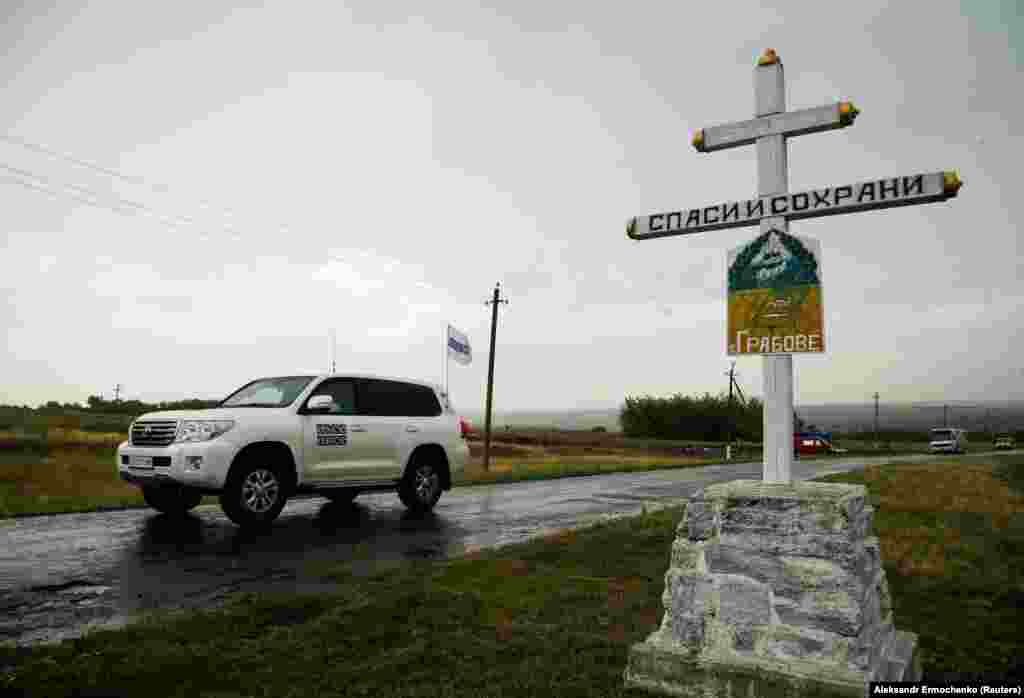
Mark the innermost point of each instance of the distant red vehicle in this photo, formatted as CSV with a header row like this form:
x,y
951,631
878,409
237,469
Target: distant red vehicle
x,y
810,445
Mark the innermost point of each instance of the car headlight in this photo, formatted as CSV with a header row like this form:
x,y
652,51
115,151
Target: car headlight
x,y
202,430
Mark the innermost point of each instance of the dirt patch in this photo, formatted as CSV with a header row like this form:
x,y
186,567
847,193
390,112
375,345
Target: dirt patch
x,y
955,487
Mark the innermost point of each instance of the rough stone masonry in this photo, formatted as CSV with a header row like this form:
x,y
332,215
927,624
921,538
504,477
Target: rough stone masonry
x,y
775,589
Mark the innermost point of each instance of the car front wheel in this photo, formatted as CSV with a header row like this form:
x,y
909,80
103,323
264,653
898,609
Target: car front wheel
x,y
254,493
421,487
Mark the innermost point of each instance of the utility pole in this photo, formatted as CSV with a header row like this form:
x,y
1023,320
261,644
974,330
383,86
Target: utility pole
x,y
876,420
117,392
490,371
732,413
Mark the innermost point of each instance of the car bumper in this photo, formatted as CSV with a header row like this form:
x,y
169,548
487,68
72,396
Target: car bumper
x,y
201,465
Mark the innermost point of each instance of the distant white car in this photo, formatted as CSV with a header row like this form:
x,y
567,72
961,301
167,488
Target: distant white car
x,y
948,441
334,435
1004,442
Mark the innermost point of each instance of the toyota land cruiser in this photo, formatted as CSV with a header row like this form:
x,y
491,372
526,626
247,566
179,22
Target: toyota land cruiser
x,y
332,435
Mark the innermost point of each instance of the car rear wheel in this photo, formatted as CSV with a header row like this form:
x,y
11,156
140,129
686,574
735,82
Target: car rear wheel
x,y
254,493
170,499
421,487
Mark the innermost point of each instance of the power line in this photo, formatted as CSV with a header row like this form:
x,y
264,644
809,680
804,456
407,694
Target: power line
x,y
158,187
135,179
106,200
97,196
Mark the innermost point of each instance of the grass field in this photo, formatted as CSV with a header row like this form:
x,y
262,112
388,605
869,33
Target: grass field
x,y
952,538
554,616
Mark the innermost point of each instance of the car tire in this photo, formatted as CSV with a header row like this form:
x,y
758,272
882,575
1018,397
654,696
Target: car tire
x,y
171,500
255,492
420,489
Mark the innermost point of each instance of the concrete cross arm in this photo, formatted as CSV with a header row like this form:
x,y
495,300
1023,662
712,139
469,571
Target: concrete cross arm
x,y
792,123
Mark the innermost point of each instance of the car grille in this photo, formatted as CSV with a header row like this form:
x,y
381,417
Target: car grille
x,y
154,432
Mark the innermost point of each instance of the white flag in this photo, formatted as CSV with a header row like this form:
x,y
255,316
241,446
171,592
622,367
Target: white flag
x,y
458,346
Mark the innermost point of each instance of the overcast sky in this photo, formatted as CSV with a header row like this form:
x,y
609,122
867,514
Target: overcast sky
x,y
230,183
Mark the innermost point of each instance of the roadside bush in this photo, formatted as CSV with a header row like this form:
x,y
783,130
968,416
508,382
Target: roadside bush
x,y
707,418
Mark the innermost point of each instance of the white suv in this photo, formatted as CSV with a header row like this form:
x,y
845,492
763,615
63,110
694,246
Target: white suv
x,y
332,435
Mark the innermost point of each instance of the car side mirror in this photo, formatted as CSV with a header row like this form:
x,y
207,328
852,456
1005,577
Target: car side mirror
x,y
319,403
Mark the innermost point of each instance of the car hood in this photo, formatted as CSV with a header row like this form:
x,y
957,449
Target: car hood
x,y
216,413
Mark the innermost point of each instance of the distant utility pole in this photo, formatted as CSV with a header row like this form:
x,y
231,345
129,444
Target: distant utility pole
x,y
494,302
332,350
876,420
732,413
117,392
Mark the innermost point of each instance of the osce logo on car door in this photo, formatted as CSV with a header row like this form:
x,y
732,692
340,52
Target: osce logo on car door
x,y
331,435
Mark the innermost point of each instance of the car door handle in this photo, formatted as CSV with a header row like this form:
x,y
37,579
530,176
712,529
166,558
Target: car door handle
x,y
412,429
357,427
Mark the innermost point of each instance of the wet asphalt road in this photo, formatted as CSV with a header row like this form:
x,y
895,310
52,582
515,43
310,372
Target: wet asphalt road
x,y
62,574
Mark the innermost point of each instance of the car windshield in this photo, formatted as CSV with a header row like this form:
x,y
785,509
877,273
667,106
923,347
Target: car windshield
x,y
268,392
941,434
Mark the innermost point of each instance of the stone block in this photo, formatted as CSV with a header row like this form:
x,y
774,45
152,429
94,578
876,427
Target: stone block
x,y
844,552
686,629
903,659
743,605
790,642
831,611
845,500
688,599
788,576
870,645
688,556
884,598
668,670
820,519
701,520
727,559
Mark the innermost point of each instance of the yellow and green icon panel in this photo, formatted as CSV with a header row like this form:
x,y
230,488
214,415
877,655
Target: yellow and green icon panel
x,y
774,296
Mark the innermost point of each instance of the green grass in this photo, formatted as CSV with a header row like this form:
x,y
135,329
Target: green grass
x,y
58,480
549,617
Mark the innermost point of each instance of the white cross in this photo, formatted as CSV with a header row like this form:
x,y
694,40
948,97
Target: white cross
x,y
774,207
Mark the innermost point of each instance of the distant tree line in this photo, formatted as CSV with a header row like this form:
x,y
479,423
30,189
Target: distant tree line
x,y
96,415
706,418
137,407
